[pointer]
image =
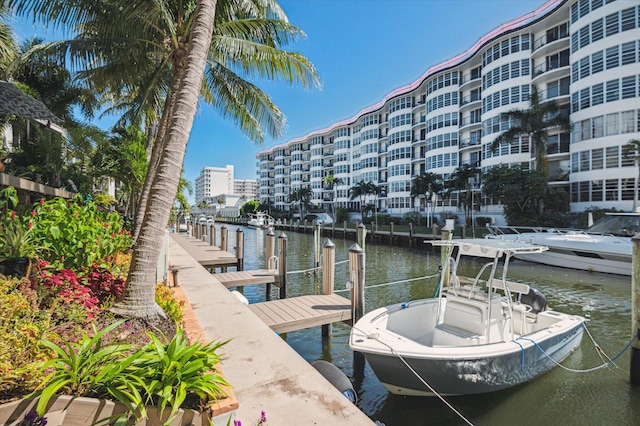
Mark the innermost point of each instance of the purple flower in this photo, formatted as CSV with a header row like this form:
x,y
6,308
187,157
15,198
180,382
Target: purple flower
x,y
32,419
263,417
237,423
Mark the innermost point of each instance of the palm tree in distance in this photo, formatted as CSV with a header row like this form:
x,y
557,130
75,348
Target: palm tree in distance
x,y
460,182
331,182
534,122
360,190
178,37
632,150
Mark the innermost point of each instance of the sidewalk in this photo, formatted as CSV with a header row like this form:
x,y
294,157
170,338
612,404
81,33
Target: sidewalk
x,y
265,372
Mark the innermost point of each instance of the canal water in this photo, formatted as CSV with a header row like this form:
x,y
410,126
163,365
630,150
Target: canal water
x,y
561,397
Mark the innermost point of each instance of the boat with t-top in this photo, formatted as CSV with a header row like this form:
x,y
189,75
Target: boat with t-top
x,y
260,220
480,334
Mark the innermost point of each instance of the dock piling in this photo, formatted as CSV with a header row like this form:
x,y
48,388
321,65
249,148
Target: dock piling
x,y
361,232
223,238
270,251
328,275
356,275
282,264
240,249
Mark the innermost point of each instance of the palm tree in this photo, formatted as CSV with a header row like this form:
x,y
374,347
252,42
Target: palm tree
x,y
301,197
171,44
331,182
632,150
360,190
220,201
8,48
535,122
204,206
460,182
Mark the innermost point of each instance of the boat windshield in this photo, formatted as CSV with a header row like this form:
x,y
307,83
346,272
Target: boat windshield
x,y
620,225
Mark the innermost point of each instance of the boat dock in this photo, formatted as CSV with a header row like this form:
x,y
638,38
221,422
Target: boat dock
x,y
282,315
265,372
296,313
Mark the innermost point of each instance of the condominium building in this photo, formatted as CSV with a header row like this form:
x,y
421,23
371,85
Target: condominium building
x,y
248,187
584,55
214,181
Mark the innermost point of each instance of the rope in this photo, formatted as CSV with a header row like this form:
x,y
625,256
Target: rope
x,y
314,268
401,281
423,381
588,370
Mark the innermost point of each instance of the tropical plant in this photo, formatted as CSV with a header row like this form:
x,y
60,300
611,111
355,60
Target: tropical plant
x,y
249,207
158,373
464,181
247,37
360,190
77,234
8,48
331,182
519,190
17,239
301,197
534,122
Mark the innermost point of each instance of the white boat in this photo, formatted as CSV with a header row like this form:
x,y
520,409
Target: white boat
x,y
604,247
479,334
260,220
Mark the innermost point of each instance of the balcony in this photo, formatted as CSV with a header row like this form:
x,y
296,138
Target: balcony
x,y
550,38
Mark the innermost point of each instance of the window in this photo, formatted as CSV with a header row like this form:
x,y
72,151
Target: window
x,y
627,122
612,57
612,124
515,69
598,126
596,159
584,36
597,94
597,64
628,21
628,54
585,98
611,189
524,67
612,24
628,87
584,67
613,157
596,30
613,90
597,191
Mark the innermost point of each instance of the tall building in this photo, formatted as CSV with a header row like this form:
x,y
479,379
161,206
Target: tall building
x,y
214,181
248,187
584,55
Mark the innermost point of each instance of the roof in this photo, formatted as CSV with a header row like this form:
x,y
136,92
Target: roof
x,y
484,247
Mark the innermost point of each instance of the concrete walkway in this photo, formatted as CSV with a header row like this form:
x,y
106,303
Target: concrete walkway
x,y
265,372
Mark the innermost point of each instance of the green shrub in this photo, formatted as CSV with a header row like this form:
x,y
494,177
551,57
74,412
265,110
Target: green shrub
x,y
160,374
169,304
21,326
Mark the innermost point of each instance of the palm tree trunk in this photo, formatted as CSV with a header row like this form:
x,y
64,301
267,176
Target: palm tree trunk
x,y
156,151
139,295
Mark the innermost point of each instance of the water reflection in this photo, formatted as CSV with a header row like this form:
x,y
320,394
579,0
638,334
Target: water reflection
x,y
559,397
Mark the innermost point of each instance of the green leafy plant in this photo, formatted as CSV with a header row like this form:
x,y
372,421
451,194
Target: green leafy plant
x,y
17,239
156,374
83,368
169,373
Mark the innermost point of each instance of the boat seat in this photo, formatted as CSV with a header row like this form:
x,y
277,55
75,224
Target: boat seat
x,y
463,322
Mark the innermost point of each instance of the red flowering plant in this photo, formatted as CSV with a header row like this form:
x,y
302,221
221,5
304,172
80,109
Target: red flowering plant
x,y
86,291
17,239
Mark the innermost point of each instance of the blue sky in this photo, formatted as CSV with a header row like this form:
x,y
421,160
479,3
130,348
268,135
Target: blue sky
x,y
362,49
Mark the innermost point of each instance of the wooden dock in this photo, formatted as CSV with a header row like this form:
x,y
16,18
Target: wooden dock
x,y
203,253
283,315
296,313
242,278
